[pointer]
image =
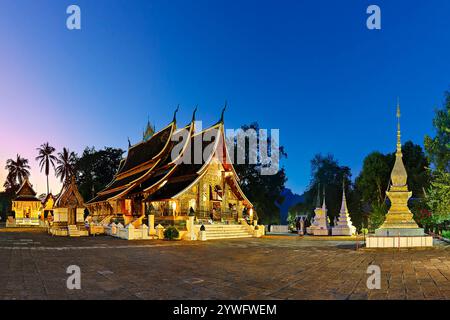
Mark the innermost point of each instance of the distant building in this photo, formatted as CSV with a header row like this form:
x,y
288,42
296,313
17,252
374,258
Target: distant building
x,y
26,206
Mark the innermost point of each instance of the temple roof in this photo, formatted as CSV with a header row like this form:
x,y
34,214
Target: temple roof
x,y
144,153
168,172
70,196
26,192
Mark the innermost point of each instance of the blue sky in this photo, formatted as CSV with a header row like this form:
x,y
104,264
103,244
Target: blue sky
x,y
309,68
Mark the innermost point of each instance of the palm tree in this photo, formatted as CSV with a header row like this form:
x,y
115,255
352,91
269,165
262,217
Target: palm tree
x,y
18,171
46,158
66,165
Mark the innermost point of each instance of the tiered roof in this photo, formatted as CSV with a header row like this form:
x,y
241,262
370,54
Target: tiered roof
x,y
69,196
26,192
150,170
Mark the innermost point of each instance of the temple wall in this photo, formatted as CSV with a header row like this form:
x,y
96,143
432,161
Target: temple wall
x,y
22,208
60,214
199,195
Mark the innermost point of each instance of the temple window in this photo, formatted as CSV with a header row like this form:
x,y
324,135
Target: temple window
x,y
216,193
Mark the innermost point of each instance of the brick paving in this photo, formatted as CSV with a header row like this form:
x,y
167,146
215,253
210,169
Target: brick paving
x,y
33,266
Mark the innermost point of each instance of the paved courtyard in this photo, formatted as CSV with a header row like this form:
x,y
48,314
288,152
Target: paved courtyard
x,y
33,266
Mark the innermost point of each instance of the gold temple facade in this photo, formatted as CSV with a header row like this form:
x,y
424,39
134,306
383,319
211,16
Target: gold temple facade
x,y
163,176
26,207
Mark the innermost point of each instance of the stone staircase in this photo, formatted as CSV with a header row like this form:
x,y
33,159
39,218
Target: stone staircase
x,y
73,231
226,231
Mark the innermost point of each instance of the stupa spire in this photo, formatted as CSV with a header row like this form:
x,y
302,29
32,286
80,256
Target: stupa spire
x,y
398,174
324,207
318,196
344,199
399,141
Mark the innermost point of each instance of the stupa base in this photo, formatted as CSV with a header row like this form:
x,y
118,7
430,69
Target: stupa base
x,y
318,231
375,241
343,231
402,232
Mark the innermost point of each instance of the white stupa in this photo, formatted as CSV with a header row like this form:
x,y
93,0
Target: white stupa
x,y
319,226
344,225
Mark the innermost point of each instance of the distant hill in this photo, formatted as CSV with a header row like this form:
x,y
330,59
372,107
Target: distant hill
x,y
290,200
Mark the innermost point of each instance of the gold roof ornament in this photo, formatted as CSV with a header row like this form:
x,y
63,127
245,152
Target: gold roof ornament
x,y
148,132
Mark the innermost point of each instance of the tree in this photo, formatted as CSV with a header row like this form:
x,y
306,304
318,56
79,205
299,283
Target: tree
x,y
438,196
373,181
416,165
377,216
18,171
264,191
45,159
95,169
375,176
326,172
438,148
66,165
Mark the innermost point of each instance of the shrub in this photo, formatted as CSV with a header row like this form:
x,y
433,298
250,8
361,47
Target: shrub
x,y
446,234
171,233
377,216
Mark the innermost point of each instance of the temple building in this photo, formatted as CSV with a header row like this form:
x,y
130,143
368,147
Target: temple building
x,y
26,207
47,207
68,211
173,174
399,229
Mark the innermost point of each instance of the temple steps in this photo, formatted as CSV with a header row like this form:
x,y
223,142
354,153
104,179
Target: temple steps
x,y
73,231
218,231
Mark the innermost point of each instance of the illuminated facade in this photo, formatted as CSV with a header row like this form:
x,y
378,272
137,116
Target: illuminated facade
x,y
26,207
174,174
68,213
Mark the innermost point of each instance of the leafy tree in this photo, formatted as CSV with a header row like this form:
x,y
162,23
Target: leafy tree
x,y
262,190
438,196
18,171
377,215
438,148
95,169
66,165
374,178
46,158
416,165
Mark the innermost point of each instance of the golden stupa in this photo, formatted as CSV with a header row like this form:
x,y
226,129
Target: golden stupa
x,y
399,220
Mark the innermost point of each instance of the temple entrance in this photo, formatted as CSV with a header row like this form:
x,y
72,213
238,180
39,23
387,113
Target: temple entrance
x,y
72,216
216,210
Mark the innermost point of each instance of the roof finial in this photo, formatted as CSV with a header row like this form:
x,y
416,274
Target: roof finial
x,y
129,142
175,114
343,187
193,114
323,197
223,111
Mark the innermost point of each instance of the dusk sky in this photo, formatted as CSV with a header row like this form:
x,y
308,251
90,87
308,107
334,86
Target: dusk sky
x,y
309,68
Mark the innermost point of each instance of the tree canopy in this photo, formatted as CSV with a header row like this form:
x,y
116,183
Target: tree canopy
x,y
95,169
262,190
438,148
